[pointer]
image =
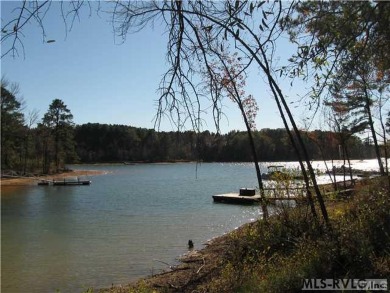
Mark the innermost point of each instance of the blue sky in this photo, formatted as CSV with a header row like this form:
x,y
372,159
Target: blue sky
x,y
103,80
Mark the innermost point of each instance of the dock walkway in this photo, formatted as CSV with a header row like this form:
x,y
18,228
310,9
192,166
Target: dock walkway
x,y
64,182
273,195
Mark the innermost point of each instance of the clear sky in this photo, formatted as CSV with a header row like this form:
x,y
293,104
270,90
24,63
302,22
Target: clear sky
x,y
103,80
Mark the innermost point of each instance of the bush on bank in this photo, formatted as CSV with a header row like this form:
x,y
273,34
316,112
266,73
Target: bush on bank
x,y
277,256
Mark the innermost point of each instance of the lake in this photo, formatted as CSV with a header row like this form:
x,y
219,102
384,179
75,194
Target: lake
x,y
125,225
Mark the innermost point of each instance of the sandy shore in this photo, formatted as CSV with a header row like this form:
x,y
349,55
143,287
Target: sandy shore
x,y
60,176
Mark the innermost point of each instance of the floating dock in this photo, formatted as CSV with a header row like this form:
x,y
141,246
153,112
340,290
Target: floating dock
x,y
236,198
64,182
274,195
70,183
248,196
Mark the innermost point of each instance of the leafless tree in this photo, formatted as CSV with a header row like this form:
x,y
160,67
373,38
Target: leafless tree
x,y
34,12
250,28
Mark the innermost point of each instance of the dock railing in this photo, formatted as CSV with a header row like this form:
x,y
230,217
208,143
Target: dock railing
x,y
293,193
300,193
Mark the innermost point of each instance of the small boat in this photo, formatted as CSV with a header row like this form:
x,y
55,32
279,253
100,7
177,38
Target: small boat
x,y
274,171
245,196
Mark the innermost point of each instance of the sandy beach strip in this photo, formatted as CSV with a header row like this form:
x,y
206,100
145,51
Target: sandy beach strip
x,y
60,176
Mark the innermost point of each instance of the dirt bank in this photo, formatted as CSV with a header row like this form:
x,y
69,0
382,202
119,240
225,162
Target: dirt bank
x,y
33,180
195,271
206,270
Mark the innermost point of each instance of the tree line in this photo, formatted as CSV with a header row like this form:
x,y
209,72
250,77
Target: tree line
x,y
119,143
30,145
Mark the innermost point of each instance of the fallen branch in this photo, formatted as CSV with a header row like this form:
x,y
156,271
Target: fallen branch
x,y
201,267
171,267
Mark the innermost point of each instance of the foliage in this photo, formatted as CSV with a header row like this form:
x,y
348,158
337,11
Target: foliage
x,y
58,121
278,256
12,127
343,45
25,149
94,143
120,143
333,34
227,77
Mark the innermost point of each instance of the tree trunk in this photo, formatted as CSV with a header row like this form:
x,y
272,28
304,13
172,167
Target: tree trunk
x,y
302,147
371,124
256,161
303,169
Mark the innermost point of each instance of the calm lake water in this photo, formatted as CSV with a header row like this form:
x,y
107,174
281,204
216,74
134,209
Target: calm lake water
x,y
121,227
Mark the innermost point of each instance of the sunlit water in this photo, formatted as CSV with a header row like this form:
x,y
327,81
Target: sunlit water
x,y
125,225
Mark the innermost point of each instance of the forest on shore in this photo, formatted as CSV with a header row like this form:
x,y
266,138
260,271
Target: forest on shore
x,y
46,145
96,143
347,76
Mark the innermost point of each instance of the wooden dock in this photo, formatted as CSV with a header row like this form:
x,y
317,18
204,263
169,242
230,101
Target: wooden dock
x,y
274,195
46,182
236,198
271,196
71,183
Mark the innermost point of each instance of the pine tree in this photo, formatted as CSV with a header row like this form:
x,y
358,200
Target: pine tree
x,y
59,120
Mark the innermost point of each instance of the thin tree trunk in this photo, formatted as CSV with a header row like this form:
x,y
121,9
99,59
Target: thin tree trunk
x,y
385,146
56,151
303,148
26,153
343,167
371,124
349,163
256,161
303,169
278,94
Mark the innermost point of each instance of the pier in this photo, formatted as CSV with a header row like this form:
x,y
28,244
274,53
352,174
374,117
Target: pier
x,y
281,194
273,195
248,196
64,182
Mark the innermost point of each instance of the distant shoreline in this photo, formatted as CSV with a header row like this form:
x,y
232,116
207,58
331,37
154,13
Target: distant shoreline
x,y
28,181
138,162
